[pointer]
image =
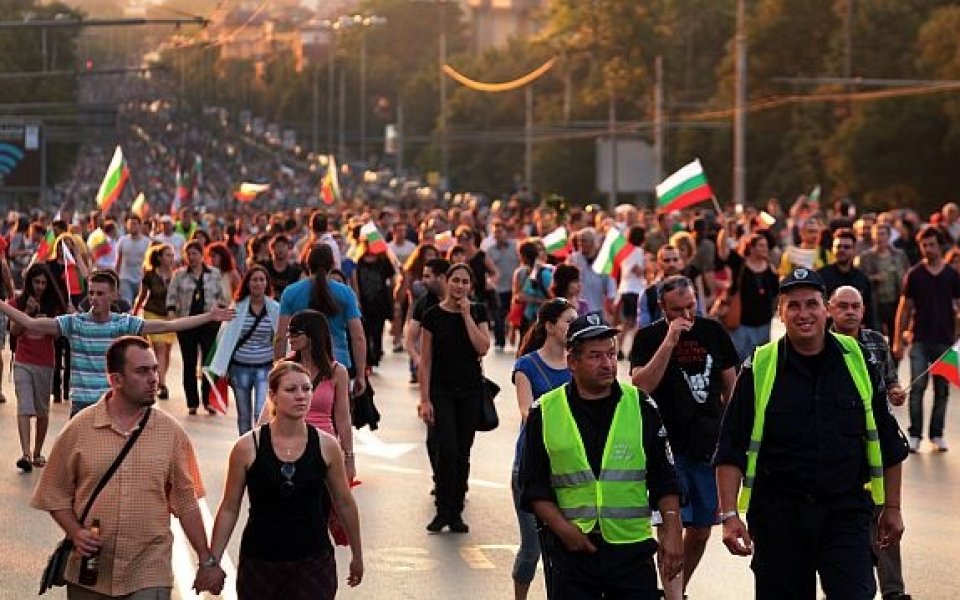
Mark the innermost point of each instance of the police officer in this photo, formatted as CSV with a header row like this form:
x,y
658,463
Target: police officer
x,y
809,434
594,464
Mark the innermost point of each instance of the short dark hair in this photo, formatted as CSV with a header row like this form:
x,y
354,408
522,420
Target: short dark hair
x,y
847,233
635,235
117,352
318,221
929,231
674,282
108,276
279,239
438,266
193,244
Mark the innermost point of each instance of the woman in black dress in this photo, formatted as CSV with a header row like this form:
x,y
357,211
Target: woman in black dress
x,y
454,339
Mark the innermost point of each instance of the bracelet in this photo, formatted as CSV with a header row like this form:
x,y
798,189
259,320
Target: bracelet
x,y
728,515
211,561
669,512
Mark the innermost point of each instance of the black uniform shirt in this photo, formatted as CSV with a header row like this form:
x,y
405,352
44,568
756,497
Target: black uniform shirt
x,y
594,418
814,428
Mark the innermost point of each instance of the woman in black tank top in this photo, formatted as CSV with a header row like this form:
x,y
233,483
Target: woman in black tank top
x,y
294,474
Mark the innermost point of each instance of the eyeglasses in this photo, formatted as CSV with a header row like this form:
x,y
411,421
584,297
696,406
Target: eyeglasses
x,y
287,470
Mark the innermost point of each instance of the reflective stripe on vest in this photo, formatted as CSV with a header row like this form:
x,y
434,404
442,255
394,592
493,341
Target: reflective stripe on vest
x,y
764,374
618,500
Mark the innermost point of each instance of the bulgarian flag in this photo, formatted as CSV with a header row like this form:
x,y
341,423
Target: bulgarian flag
x,y
140,206
948,365
249,191
614,249
556,241
70,272
113,182
99,244
330,184
686,187
45,249
371,236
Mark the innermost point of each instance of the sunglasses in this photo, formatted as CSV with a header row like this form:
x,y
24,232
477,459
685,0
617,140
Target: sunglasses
x,y
287,470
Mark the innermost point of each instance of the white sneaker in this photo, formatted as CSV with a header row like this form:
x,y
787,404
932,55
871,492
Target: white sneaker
x,y
940,443
914,444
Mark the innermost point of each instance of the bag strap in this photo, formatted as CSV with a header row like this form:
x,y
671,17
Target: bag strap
x,y
116,465
249,333
536,363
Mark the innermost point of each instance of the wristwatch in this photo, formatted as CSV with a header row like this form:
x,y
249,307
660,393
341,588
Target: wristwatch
x,y
211,561
728,515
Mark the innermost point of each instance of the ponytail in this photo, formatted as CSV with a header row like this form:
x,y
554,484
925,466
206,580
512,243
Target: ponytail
x,y
319,263
534,340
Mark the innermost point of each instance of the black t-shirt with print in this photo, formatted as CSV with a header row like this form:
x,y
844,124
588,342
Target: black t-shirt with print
x,y
689,393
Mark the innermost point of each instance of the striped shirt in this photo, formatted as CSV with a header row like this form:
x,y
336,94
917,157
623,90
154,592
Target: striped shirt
x,y
257,350
89,340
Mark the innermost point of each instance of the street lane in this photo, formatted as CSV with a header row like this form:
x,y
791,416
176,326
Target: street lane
x,y
402,560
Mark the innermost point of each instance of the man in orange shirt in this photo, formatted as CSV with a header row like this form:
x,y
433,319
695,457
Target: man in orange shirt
x,y
158,477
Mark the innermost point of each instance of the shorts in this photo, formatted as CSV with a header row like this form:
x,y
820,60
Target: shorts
x,y
159,338
32,384
698,483
628,306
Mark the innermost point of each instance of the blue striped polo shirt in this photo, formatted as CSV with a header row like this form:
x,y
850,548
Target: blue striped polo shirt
x,y
89,341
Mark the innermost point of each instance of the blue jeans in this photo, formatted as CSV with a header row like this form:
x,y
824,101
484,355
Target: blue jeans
x,y
129,290
922,354
747,337
525,565
250,391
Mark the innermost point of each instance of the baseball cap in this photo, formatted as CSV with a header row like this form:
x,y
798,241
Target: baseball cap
x,y
590,326
801,277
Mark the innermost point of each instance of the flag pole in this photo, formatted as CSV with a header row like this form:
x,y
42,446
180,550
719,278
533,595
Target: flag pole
x,y
930,366
716,204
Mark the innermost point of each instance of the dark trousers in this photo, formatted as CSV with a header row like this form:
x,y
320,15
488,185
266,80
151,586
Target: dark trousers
x,y
922,354
61,369
373,330
455,420
796,539
195,345
500,318
614,572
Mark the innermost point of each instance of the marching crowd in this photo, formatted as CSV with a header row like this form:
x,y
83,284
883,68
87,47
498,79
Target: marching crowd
x,y
296,308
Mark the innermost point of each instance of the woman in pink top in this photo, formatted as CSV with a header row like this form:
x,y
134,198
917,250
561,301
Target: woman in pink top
x,y
309,335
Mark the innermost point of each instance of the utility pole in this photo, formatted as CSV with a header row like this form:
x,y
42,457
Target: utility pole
x,y
614,159
444,141
528,140
363,95
315,121
331,86
342,125
739,112
400,134
658,129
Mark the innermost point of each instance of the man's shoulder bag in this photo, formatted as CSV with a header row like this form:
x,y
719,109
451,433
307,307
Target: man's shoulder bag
x,y
57,563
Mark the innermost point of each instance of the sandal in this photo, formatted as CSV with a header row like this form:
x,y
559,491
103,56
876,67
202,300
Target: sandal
x,y
24,464
39,461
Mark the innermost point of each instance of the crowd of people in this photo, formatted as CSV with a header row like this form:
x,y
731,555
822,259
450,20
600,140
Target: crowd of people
x,y
297,308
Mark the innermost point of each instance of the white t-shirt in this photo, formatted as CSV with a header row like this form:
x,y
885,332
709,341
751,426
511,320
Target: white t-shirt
x,y
174,239
403,250
133,251
630,281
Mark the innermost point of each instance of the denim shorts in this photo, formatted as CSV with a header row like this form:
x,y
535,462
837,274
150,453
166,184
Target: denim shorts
x,y
698,483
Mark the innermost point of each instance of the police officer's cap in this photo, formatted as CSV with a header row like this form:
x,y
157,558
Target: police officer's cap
x,y
590,326
801,277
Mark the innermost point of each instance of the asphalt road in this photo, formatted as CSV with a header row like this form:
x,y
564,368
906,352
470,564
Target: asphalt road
x,y
402,560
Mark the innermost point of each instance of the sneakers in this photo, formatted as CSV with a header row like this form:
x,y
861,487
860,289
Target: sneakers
x,y
914,445
437,524
940,443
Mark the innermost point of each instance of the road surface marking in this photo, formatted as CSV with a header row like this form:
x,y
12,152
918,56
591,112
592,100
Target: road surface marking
x,y
371,445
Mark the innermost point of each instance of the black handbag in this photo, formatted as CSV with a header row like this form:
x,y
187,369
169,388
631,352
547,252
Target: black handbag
x,y
488,419
57,563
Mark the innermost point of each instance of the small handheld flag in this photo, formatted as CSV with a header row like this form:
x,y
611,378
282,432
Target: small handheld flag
x,y
683,189
113,182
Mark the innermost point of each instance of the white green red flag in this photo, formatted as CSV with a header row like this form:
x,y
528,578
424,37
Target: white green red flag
x,y
683,189
614,249
948,365
556,241
249,191
71,274
330,184
140,206
99,244
370,235
113,182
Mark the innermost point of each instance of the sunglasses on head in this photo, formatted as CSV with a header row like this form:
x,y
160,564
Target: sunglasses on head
x,y
287,470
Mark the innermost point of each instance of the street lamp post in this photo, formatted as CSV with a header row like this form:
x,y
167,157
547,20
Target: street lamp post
x,y
365,22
